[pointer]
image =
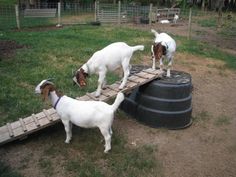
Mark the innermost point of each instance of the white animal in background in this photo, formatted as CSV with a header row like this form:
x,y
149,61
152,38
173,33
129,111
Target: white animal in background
x,y
176,17
87,114
164,46
164,21
109,58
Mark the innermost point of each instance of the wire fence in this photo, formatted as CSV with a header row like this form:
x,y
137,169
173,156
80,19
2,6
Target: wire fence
x,y
52,14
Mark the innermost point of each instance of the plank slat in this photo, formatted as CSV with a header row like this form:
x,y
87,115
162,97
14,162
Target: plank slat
x,y
47,115
10,130
92,97
35,120
22,124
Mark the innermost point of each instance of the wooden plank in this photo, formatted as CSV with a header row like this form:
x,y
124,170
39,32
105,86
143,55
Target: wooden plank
x,y
132,80
113,87
10,130
142,75
35,120
22,124
92,97
47,115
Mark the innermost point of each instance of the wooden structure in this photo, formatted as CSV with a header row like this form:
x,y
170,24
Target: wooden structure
x,y
25,126
167,13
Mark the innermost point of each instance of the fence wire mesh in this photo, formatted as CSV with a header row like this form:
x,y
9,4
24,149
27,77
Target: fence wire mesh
x,y
121,14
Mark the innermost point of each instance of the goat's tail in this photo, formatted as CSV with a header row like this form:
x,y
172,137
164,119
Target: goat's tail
x,y
119,98
138,47
154,32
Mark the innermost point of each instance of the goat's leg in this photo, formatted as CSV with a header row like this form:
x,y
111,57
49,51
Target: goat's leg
x,y
104,84
107,137
153,59
101,79
161,65
125,67
168,68
68,130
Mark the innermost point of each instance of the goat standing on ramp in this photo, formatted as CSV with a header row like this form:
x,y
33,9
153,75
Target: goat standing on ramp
x,y
110,58
164,45
87,114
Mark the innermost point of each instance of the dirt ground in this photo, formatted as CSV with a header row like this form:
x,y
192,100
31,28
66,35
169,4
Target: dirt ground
x,y
205,149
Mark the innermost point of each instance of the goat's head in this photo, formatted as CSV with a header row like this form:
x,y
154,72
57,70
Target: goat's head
x,y
44,88
80,77
158,50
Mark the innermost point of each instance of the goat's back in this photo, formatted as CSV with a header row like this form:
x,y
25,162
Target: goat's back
x,y
85,113
112,55
166,39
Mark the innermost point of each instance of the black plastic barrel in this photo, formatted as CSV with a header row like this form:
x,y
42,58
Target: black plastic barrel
x,y
163,102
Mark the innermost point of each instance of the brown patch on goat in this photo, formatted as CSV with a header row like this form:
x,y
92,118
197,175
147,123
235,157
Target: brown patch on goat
x,y
81,77
158,50
46,88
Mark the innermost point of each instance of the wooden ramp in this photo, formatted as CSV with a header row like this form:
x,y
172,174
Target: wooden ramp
x,y
24,126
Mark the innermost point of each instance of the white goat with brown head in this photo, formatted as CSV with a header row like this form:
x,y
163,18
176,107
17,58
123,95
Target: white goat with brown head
x,y
87,114
164,46
110,58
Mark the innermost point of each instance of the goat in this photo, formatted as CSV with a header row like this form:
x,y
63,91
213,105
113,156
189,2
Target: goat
x,y
176,17
87,114
113,56
164,45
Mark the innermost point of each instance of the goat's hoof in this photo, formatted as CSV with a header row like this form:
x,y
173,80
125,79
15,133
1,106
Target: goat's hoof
x,y
67,141
106,151
97,95
120,88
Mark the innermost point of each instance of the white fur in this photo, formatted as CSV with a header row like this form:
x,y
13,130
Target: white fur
x,y
110,58
85,114
164,21
170,45
176,17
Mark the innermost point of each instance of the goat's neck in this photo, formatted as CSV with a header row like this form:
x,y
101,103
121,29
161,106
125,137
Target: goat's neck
x,y
53,97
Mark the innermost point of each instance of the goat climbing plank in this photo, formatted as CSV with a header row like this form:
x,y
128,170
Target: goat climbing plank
x,y
26,126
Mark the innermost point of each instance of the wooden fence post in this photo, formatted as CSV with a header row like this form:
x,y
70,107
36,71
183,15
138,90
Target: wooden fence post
x,y
190,23
150,14
59,14
95,11
119,9
17,16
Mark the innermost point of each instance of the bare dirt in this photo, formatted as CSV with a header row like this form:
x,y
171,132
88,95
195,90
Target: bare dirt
x,y
205,149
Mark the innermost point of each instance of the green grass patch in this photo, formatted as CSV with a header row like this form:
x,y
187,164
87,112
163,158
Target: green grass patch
x,y
210,22
56,53
6,171
203,49
203,116
223,120
120,161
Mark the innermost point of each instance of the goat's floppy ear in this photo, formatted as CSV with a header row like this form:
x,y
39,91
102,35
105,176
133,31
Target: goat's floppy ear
x,y
45,92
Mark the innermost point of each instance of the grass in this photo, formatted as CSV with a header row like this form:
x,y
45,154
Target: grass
x,y
223,120
6,171
203,49
55,53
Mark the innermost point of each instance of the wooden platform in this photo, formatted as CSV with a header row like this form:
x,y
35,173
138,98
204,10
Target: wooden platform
x,y
24,126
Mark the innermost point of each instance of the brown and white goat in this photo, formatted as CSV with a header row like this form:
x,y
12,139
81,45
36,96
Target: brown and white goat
x,y
164,46
87,114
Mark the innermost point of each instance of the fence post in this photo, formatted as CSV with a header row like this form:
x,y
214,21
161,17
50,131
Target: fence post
x,y
95,10
119,9
190,23
150,14
17,16
59,14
